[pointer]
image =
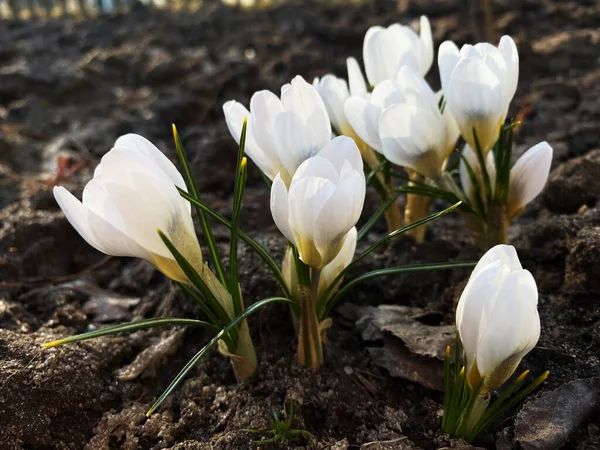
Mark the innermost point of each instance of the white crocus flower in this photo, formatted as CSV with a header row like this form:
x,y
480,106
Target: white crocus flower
x,y
323,203
402,120
385,50
415,134
527,177
479,82
497,317
281,133
334,92
134,193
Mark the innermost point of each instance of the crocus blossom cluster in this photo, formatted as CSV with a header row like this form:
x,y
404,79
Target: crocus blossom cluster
x,y
497,318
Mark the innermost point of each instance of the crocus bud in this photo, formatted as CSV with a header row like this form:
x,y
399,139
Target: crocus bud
x,y
281,133
323,203
479,83
497,318
132,195
527,177
385,50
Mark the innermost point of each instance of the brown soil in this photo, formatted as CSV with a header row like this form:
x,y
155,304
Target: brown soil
x,y
68,89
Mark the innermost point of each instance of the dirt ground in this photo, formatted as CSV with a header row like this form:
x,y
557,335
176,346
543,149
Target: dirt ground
x,y
69,89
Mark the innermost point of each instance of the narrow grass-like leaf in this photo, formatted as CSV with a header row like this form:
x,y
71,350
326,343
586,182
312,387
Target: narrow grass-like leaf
x,y
373,173
259,249
375,217
372,248
391,271
490,418
193,189
476,186
238,194
131,327
196,280
198,356
200,301
457,392
486,176
465,413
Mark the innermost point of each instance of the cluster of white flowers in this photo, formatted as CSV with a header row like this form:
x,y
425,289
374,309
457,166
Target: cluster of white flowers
x,y
318,181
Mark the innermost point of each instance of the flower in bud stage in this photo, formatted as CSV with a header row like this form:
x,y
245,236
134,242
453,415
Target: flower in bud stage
x,y
385,50
497,318
281,132
323,203
479,82
134,193
527,177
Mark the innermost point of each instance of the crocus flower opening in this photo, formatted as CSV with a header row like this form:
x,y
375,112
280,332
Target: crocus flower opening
x,y
281,132
132,195
497,318
385,50
323,203
479,82
528,176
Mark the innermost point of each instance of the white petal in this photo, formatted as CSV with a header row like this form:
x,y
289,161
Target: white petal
x,y
334,93
235,113
414,138
511,57
475,98
364,119
306,198
415,89
294,144
280,207
143,146
528,176
304,100
511,328
452,131
506,254
356,81
317,166
447,60
340,150
472,304
96,231
147,200
465,179
373,56
339,263
264,108
426,45
339,214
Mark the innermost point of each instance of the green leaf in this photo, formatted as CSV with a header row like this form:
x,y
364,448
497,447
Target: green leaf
x,y
373,173
486,177
238,194
193,189
259,249
198,356
373,220
196,280
476,185
321,305
393,271
130,327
